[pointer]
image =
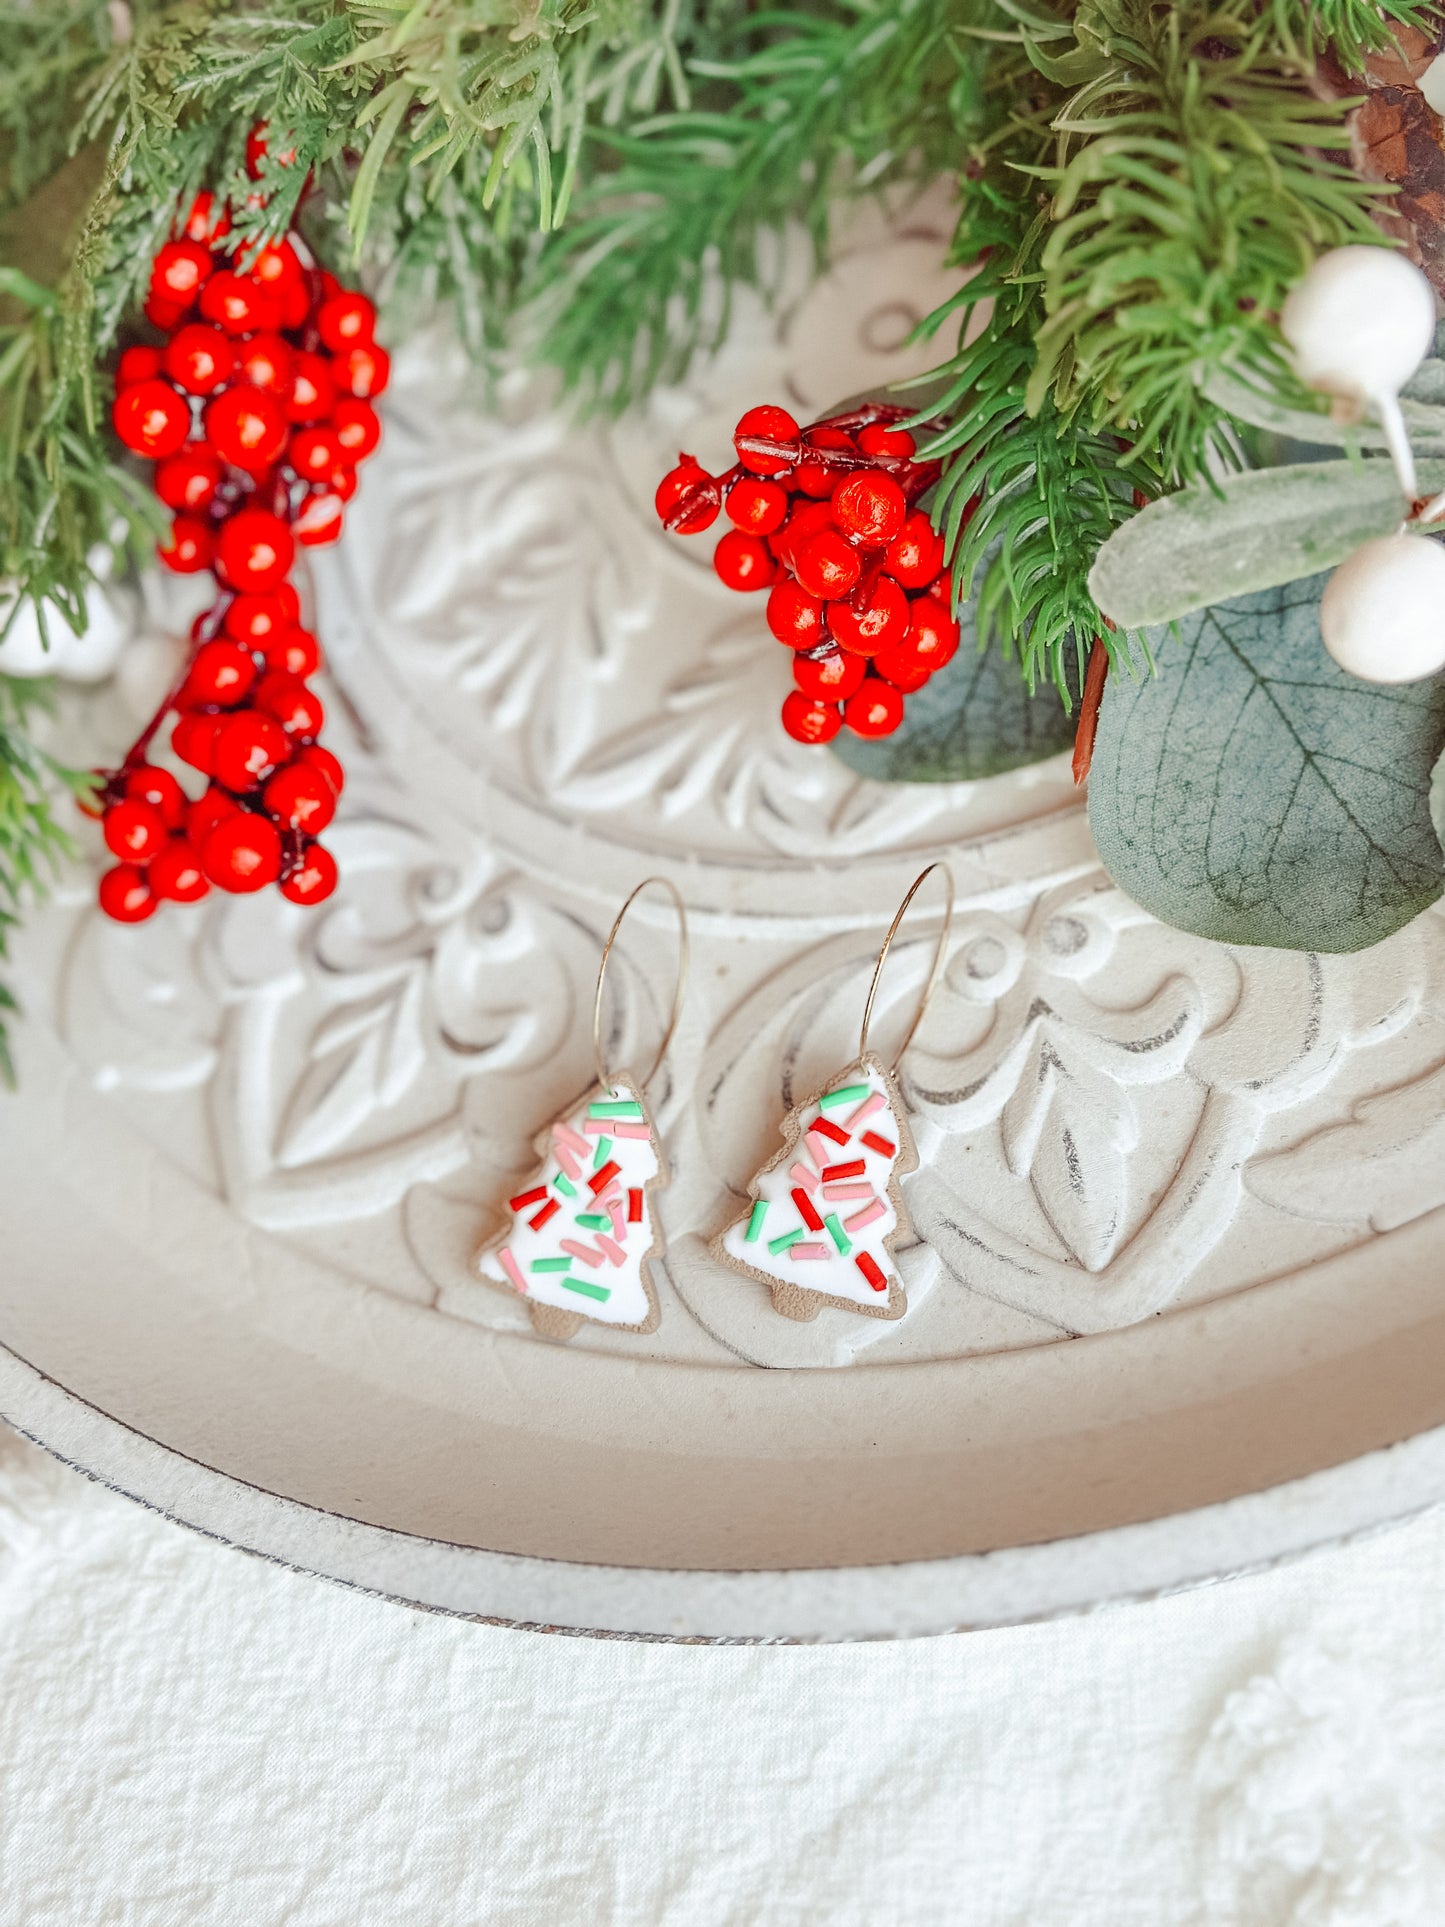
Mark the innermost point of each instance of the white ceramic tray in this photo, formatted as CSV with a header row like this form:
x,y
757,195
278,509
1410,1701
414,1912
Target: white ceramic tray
x,y
1178,1301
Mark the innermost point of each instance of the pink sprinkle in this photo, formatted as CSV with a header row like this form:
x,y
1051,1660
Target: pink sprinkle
x,y
809,1251
509,1265
584,1252
567,1161
800,1174
868,1215
614,1208
840,1193
866,1109
612,1248
820,1150
625,1127
564,1134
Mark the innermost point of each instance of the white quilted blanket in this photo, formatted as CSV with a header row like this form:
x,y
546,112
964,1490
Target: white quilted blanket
x,y
192,1738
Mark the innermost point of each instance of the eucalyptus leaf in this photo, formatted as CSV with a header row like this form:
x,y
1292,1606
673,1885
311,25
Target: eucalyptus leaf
x,y
1254,792
974,718
1437,801
1247,532
1422,397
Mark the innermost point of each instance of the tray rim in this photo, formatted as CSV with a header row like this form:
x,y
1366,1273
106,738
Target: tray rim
x,y
1016,1585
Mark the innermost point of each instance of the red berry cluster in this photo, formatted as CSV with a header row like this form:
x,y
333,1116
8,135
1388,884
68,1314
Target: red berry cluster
x,y
256,409
825,518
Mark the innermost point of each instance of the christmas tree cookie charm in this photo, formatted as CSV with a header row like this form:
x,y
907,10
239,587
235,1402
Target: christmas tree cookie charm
x,y
827,1211
581,1230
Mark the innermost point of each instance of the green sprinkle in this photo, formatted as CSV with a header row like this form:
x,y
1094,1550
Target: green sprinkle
x,y
604,1151
775,1245
595,1220
616,1107
849,1094
565,1185
551,1264
600,1292
755,1222
838,1234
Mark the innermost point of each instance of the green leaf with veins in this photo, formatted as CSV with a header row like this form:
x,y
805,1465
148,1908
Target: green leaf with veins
x,y
1437,800
1251,531
974,718
1255,793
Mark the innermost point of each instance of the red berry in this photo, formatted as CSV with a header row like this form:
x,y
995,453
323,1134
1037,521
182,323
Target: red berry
x,y
298,709
176,873
254,550
357,428
147,784
869,506
239,304
248,747
362,370
827,565
915,554
257,148
255,619
206,812
189,547
313,393
207,220
315,757
243,852
815,476
179,271
295,652
805,520
768,424
246,427
300,798
151,418
287,601
342,481
932,634
829,677
743,562
883,620
137,364
345,319
133,830
874,709
163,314
199,359
125,894
276,267
898,664
189,478
794,616
808,720
313,453
319,520
313,879
266,361
194,740
879,439
222,672
295,305
757,506
687,498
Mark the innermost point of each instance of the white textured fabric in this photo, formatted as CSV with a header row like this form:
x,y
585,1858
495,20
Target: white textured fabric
x,y
192,1738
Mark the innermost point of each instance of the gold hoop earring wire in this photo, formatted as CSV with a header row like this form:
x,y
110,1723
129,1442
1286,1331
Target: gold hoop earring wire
x,y
933,974
603,1076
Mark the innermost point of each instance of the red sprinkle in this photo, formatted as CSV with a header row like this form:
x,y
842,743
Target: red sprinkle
x,y
855,1168
805,1210
871,1272
549,1210
827,1128
876,1143
600,1180
524,1198
634,1207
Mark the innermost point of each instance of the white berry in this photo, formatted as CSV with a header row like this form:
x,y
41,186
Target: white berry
x,y
1360,323
1382,615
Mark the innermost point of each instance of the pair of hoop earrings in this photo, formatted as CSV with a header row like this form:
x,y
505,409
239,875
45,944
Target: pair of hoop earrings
x,y
823,1217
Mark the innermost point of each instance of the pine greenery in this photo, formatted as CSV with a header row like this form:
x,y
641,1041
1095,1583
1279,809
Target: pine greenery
x,y
586,180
